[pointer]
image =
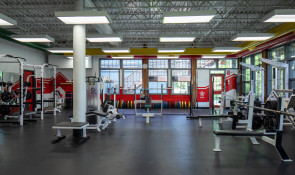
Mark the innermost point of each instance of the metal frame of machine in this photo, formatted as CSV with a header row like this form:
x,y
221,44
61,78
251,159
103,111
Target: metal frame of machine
x,y
263,134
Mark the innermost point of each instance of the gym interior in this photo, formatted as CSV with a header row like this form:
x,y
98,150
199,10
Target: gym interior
x,y
147,87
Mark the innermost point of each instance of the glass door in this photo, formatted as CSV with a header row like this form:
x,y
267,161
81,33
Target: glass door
x,y
217,82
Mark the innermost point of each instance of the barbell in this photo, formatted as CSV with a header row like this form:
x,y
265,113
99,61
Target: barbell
x,y
268,110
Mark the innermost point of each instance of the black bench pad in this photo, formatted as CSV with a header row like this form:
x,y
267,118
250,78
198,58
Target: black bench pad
x,y
71,124
239,133
214,116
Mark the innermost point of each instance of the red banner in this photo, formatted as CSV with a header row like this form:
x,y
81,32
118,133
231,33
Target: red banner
x,y
203,94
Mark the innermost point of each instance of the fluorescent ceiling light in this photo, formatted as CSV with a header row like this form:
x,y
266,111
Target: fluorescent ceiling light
x,y
33,38
177,38
121,50
252,36
167,57
60,50
226,49
188,17
6,21
84,17
123,57
167,50
280,15
213,56
73,57
104,38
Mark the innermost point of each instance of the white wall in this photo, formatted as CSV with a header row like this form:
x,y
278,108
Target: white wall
x,y
203,81
65,65
231,80
33,56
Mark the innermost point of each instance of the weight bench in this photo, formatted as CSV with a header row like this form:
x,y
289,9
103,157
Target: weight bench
x,y
251,134
70,125
148,106
219,117
148,116
27,116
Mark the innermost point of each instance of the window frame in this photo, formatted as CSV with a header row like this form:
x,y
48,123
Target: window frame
x,y
237,66
123,75
270,68
167,70
100,69
123,82
244,81
171,79
216,64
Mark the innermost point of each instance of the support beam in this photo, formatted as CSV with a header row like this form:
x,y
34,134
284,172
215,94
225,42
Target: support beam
x,y
193,80
79,71
264,65
145,74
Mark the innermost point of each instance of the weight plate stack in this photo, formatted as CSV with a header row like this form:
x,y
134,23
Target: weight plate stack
x,y
6,96
4,109
271,104
257,122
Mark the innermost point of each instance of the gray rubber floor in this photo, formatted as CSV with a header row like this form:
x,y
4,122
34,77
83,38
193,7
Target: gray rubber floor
x,y
168,146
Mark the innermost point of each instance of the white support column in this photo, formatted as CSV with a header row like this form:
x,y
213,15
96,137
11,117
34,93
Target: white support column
x,y
250,112
54,90
262,86
276,78
21,90
286,71
79,73
42,91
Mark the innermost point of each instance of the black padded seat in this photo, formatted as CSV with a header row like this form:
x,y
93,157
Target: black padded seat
x,y
104,114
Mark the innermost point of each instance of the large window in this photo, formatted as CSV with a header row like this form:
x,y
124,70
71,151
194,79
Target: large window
x,y
291,55
132,79
291,52
157,78
206,63
114,75
181,81
258,76
155,64
247,76
111,68
132,64
109,64
180,64
158,75
227,63
276,54
181,76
